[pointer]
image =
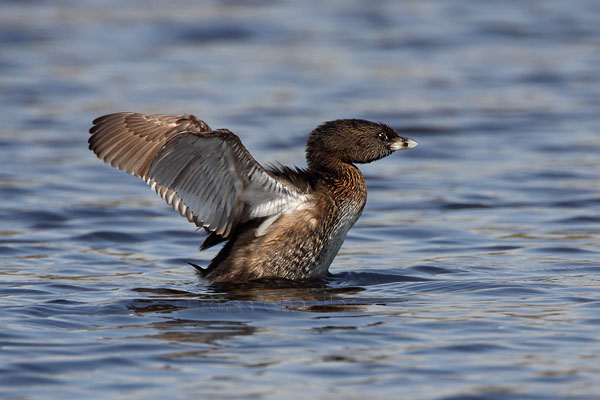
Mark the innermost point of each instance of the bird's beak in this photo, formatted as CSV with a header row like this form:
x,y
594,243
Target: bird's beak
x,y
403,144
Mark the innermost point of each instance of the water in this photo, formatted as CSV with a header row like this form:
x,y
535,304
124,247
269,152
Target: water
x,y
474,271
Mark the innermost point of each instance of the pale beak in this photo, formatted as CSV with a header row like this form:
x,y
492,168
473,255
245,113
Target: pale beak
x,y
403,144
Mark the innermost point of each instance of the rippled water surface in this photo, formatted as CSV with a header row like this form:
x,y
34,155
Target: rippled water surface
x,y
474,271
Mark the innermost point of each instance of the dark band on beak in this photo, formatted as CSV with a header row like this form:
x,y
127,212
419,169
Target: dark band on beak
x,y
403,144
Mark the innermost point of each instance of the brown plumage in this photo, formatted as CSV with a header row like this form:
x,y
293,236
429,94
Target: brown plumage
x,y
278,222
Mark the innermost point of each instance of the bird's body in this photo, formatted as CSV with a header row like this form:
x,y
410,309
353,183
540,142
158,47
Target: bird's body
x,y
301,242
278,222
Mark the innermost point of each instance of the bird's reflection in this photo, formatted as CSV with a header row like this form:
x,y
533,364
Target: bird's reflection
x,y
220,312
266,295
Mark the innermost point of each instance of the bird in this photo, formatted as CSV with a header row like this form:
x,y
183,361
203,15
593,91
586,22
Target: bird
x,y
277,222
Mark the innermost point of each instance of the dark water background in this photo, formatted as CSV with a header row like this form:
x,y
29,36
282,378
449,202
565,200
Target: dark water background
x,y
474,271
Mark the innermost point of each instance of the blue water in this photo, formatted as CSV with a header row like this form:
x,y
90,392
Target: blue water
x,y
473,273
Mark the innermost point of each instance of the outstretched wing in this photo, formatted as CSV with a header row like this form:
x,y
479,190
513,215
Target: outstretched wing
x,y
130,141
208,176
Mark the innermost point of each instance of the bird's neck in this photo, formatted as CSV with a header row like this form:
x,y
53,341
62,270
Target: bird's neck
x,y
328,165
338,172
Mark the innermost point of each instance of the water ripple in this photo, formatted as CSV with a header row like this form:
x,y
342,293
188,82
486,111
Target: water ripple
x,y
474,264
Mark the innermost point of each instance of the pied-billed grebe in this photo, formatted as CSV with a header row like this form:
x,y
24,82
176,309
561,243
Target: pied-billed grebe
x,y
278,222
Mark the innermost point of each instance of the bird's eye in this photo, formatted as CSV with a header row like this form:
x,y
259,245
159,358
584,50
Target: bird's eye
x,y
382,136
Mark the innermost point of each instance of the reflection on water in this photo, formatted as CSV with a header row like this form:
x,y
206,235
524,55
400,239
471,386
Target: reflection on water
x,y
472,273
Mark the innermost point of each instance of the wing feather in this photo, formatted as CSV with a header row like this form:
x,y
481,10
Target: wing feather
x,y
207,176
